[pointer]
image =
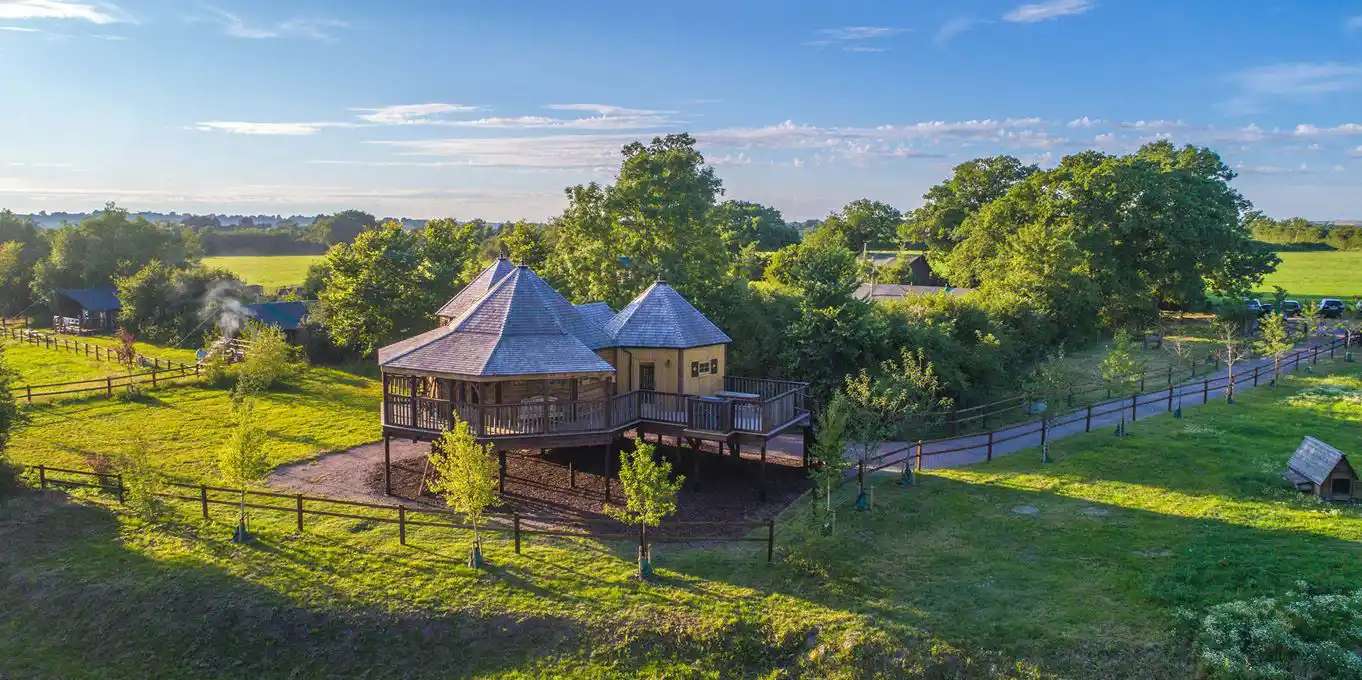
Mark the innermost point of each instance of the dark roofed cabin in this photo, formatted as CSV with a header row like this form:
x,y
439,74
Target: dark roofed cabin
x,y
86,310
289,317
1323,470
527,369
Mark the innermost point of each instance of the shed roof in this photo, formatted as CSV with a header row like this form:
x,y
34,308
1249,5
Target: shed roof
x,y
661,318
94,299
520,327
286,316
1314,460
476,288
598,313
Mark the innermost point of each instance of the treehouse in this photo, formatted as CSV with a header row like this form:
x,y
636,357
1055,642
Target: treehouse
x,y
525,368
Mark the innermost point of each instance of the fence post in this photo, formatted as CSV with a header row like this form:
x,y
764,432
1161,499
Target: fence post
x,y
108,386
1087,420
515,523
1170,375
1205,391
1134,402
42,476
300,512
501,472
203,499
1255,375
1044,430
919,454
120,489
1170,398
153,377
28,390
770,540
402,524
990,445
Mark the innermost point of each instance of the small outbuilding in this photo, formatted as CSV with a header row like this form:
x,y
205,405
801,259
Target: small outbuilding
x,y
86,310
1322,470
289,317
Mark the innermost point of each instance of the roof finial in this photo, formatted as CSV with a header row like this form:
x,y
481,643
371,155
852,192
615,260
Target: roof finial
x,y
504,253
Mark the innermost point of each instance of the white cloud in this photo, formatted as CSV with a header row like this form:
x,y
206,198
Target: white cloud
x,y
301,27
1085,122
19,29
852,38
245,128
1300,78
1269,169
953,28
97,13
1044,11
1344,130
411,114
559,151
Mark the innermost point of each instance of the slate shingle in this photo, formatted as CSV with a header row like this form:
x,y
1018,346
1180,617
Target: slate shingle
x,y
661,318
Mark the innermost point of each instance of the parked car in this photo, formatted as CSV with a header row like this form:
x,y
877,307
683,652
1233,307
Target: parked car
x,y
1290,308
1331,308
1254,306
1266,308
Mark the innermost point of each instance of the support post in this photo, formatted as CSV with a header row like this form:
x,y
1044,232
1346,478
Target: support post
x,y
1205,391
990,446
1134,403
606,474
1170,376
1170,398
388,466
919,454
120,489
808,444
762,494
108,386
300,512
770,540
501,472
402,524
1255,375
572,475
1044,431
515,525
1087,420
203,499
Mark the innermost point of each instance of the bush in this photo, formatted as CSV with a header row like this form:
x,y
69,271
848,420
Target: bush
x,y
1301,635
270,361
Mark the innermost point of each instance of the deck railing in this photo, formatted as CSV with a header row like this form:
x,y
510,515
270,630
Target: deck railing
x,y
535,418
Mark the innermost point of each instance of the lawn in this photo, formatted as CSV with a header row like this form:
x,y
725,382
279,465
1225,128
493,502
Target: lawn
x,y
270,271
39,365
1315,275
946,579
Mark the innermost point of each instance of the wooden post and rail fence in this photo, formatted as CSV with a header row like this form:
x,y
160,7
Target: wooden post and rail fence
x,y
160,369
514,525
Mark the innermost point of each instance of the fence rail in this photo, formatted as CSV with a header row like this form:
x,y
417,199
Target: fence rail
x,y
161,369
513,524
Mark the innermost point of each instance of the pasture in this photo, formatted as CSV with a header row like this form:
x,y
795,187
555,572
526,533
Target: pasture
x,y
270,271
949,578
1317,274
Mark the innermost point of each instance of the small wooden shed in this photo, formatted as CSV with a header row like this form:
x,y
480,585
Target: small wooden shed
x,y
85,310
1322,470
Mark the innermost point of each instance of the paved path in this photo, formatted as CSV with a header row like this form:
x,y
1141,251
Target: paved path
x,y
969,449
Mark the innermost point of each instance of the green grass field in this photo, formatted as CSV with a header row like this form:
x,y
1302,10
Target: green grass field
x,y
42,366
944,580
270,271
1317,274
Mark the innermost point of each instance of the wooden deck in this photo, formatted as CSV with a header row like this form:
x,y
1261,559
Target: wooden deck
x,y
776,406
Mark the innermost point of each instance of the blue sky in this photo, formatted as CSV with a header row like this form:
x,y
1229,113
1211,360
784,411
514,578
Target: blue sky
x,y
424,108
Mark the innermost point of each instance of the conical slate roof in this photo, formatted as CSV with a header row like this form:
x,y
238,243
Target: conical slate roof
x,y
476,288
661,318
520,327
598,313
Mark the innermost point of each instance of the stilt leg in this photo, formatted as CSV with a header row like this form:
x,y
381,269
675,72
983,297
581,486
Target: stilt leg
x,y
387,466
762,494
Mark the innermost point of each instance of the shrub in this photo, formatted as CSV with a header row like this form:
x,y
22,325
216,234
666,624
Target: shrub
x,y
1300,635
270,361
141,480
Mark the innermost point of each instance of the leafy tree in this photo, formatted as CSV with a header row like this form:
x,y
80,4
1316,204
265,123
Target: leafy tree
x,y
825,272
1048,388
166,304
109,245
526,243
864,222
466,478
1230,334
1122,368
342,227
743,224
315,281
828,454
1311,318
269,360
973,185
1274,342
649,497
654,222
142,482
21,246
898,393
243,460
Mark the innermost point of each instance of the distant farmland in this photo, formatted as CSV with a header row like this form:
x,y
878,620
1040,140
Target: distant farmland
x,y
270,271
1319,274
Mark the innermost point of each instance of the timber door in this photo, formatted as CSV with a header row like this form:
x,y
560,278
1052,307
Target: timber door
x,y
647,376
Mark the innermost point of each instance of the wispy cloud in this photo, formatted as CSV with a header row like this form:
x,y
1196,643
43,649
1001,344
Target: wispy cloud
x,y
855,38
300,27
607,117
412,114
560,151
953,28
267,129
1352,24
97,13
1291,81
19,29
1045,11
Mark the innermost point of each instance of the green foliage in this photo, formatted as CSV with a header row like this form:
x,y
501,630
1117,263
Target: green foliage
x,y
1298,231
825,271
654,222
901,393
342,227
269,362
1273,340
465,475
1122,368
243,460
649,489
142,480
744,224
1299,635
388,284
828,454
21,246
864,223
165,304
107,246
1049,385
1310,315
972,185
10,417
526,243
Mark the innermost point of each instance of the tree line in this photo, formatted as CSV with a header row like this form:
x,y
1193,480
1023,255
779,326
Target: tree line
x,y
1298,233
